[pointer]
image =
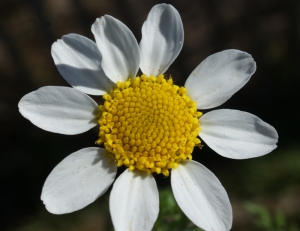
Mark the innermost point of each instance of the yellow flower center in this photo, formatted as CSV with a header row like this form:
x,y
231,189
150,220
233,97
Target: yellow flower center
x,y
149,124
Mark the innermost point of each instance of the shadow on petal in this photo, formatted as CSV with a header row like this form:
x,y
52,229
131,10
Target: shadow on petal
x,y
82,79
107,161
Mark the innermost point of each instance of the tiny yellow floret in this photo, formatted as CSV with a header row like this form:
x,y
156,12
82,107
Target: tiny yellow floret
x,y
149,124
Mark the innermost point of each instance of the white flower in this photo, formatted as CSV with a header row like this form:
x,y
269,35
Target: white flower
x,y
95,68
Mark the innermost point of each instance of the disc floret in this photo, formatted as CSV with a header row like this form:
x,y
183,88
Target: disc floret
x,y
149,123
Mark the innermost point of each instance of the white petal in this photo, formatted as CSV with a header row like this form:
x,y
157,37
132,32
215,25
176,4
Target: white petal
x,y
201,196
218,77
162,39
62,110
236,134
119,48
78,180
134,202
78,59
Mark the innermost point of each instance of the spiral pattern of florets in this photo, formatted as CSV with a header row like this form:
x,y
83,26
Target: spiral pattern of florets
x,y
149,123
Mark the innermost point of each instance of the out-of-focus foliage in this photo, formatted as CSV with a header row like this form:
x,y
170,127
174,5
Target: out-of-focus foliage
x,y
265,221
94,217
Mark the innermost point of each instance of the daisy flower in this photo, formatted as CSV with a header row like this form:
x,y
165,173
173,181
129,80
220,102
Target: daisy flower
x,y
146,123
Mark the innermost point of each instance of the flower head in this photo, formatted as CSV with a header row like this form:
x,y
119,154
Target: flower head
x,y
146,123
149,124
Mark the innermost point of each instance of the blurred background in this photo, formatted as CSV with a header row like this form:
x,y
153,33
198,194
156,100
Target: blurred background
x,y
264,192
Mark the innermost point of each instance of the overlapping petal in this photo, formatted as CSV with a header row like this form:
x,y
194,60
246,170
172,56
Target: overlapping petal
x,y
218,77
78,60
78,180
201,196
134,202
119,48
162,39
236,134
62,110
